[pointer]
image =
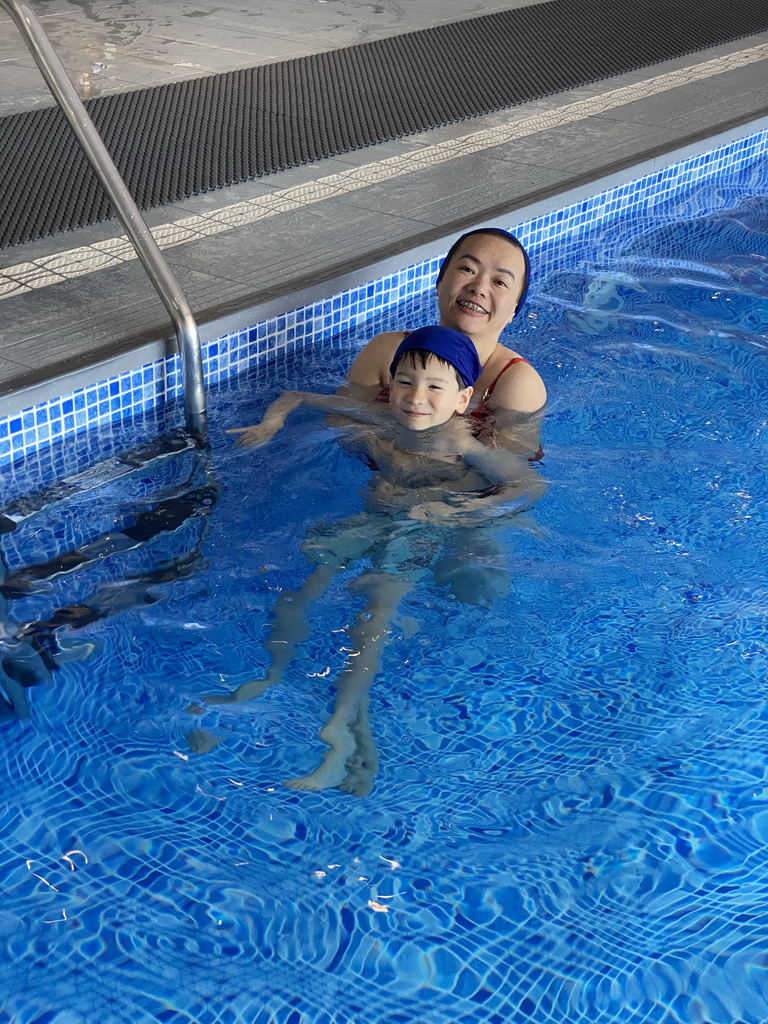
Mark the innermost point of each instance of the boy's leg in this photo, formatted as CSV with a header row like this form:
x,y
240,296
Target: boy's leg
x,y
348,723
332,547
288,630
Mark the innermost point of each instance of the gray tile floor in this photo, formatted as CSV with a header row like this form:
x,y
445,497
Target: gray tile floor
x,y
523,159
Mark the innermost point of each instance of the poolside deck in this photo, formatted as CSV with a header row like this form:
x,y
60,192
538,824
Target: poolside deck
x,y
326,226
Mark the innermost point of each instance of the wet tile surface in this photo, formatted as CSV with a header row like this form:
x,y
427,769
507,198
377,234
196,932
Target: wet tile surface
x,y
585,146
145,43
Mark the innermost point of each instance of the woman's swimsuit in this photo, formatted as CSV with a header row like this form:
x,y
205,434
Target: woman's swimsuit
x,y
480,411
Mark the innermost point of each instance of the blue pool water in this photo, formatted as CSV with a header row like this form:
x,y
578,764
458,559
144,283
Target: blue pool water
x,y
570,818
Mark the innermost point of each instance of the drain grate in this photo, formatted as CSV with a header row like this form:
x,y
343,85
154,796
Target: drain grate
x,y
178,140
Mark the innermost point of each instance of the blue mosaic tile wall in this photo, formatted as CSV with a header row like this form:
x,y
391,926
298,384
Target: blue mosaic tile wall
x,y
150,386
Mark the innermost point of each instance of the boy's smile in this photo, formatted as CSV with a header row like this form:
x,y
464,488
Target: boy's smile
x,y
426,396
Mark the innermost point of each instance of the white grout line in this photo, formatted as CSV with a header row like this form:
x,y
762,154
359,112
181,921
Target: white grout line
x,y
87,259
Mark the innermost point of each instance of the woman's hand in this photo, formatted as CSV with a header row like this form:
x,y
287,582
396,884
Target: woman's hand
x,y
450,508
429,512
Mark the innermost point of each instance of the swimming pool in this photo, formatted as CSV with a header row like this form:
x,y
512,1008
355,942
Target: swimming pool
x,y
570,816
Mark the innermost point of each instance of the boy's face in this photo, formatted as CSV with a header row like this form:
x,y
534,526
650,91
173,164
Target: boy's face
x,y
426,396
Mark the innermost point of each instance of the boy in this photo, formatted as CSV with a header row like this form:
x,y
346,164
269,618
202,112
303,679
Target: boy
x,y
429,467
423,449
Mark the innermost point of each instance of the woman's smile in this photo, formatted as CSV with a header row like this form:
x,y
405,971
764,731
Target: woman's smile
x,y
481,286
471,307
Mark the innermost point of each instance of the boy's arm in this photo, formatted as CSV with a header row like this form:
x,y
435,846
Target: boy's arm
x,y
279,410
510,478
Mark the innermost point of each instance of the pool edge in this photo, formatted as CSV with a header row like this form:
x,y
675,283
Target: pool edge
x,y
122,384
436,241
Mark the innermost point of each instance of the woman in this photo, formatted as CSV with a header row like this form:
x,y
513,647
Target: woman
x,y
480,287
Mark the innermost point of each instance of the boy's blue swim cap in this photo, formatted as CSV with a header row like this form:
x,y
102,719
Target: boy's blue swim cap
x,y
445,343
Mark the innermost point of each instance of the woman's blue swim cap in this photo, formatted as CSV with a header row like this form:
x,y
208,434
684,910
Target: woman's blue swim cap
x,y
451,346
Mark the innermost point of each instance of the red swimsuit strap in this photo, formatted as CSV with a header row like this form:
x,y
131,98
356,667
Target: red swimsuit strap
x,y
491,386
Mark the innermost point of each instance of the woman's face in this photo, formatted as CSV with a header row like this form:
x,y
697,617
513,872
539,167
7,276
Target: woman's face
x,y
481,286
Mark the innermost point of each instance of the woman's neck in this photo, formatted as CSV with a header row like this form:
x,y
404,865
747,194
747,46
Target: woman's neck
x,y
486,345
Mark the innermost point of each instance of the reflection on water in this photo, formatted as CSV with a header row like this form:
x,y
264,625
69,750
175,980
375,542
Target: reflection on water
x,y
31,650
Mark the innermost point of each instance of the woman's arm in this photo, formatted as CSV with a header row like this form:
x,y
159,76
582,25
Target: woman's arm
x,y
510,479
371,365
519,389
476,505
497,465
277,413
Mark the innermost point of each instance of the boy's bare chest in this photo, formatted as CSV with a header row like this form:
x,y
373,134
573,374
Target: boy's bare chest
x,y
417,469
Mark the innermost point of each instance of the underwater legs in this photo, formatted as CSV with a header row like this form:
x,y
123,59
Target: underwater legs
x,y
351,761
289,629
473,569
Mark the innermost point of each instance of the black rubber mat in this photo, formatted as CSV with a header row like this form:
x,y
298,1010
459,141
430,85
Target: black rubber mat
x,y
182,139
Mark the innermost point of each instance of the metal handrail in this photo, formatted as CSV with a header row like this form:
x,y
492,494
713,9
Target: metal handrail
x,y
128,213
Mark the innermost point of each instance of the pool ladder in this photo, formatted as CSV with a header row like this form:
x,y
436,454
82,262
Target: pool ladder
x,y
146,247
